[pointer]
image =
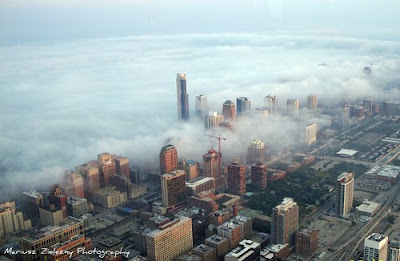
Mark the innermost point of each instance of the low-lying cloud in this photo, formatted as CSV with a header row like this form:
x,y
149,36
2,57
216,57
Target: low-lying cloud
x,y
62,103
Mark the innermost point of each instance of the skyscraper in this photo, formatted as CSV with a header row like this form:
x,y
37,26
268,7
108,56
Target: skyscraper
x,y
284,222
173,187
168,159
211,164
74,184
213,120
182,96
229,111
237,178
306,242
376,247
344,195
259,176
272,104
122,166
293,106
310,133
190,167
368,105
201,106
91,179
170,240
255,152
107,168
312,102
243,105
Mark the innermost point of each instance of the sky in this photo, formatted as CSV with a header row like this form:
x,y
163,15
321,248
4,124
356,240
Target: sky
x,y
80,78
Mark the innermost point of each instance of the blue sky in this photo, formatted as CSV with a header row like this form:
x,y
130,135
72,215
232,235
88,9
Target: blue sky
x,y
23,20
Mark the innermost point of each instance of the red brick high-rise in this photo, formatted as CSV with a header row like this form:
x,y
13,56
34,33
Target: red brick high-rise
x,y
229,111
211,164
122,166
306,242
91,179
74,184
168,159
237,178
259,175
107,168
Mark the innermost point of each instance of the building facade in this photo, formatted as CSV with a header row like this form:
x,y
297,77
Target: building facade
x,y
306,242
237,178
376,247
243,105
213,120
255,153
182,96
201,106
168,159
173,187
284,222
272,104
344,195
293,108
229,111
259,176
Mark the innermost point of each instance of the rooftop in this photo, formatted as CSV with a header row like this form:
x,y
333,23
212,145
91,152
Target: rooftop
x,y
376,237
346,152
216,239
110,241
368,206
390,171
198,181
203,248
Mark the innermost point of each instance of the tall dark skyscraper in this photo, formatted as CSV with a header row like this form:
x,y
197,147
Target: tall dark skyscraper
x,y
182,96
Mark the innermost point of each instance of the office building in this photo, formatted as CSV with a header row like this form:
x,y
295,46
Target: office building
x,y
272,104
50,217
212,164
306,242
77,207
74,184
237,178
107,168
247,250
11,221
182,96
284,222
256,152
312,102
293,108
368,104
229,111
213,120
367,209
191,168
259,176
67,250
310,133
201,106
91,178
125,185
109,197
245,223
122,166
168,159
344,195
376,247
394,251
36,240
170,240
206,252
58,199
173,187
243,105
391,107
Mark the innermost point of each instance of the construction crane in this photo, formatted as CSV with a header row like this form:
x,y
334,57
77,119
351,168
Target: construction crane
x,y
219,138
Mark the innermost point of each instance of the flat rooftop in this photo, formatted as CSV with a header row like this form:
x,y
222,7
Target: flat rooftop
x,y
346,152
389,171
368,206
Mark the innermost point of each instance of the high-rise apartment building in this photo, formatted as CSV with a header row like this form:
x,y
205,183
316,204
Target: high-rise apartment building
x,y
182,96
243,105
91,178
310,133
74,184
201,106
213,120
229,111
293,107
284,222
170,240
255,152
211,164
168,159
237,178
173,187
107,168
376,247
191,168
312,102
11,221
344,195
306,242
272,104
368,104
259,176
122,166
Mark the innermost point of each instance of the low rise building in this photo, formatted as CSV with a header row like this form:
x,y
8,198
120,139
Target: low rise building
x,y
367,209
220,243
207,253
108,197
200,184
246,251
77,207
